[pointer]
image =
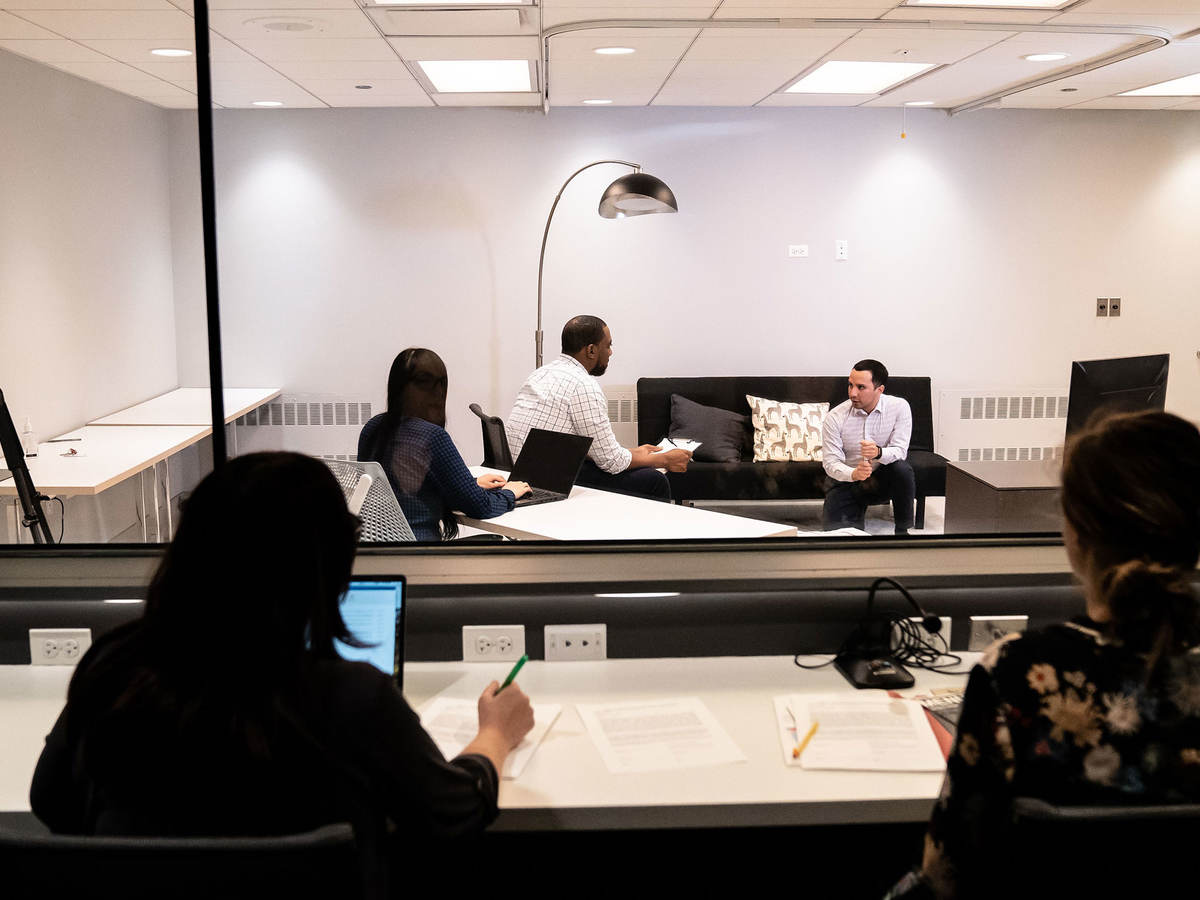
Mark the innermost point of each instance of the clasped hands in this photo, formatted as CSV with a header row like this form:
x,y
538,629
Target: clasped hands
x,y
863,470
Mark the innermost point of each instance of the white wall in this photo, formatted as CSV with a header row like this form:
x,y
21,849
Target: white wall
x,y
87,322
977,245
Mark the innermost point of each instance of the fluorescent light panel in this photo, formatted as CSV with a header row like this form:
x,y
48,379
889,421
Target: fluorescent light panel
x,y
842,77
1187,86
994,4
477,76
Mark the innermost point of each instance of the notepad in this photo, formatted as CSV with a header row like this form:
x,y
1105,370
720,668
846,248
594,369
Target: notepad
x,y
453,723
874,733
656,735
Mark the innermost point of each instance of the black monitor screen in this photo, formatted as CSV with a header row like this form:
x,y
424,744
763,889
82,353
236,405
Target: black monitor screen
x,y
1122,385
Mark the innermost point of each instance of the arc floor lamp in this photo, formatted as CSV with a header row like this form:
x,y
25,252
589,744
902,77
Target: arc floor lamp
x,y
635,194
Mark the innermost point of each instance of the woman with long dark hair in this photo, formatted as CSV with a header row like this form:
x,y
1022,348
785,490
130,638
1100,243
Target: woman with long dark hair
x,y
424,467
1104,709
225,709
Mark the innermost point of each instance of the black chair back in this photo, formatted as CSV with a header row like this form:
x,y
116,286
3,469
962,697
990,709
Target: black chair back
x,y
320,863
496,454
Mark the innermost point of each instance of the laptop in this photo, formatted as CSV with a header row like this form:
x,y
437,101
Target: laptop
x,y
550,462
373,610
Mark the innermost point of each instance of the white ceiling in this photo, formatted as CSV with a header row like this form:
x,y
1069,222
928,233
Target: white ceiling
x,y
318,53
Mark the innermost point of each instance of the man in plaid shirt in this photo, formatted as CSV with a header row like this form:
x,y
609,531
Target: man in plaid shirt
x,y
563,395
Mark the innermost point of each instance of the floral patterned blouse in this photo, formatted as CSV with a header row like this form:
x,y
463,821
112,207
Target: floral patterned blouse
x,y
1067,715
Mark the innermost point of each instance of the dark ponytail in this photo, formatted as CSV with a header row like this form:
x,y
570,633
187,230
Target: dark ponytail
x,y
1131,495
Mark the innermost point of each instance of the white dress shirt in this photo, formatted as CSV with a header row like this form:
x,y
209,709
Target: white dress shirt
x,y
562,396
889,425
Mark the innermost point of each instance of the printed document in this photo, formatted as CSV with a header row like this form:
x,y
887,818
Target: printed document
x,y
872,733
453,724
653,735
679,444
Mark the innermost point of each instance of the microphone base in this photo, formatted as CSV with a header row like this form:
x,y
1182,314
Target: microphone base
x,y
880,672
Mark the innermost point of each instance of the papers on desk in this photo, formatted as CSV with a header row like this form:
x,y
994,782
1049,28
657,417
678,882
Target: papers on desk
x,y
653,735
872,732
679,444
453,724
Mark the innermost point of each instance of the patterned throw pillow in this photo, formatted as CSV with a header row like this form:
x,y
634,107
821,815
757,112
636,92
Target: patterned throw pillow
x,y
786,431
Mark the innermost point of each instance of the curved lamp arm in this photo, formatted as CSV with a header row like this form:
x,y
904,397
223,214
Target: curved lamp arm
x,y
537,335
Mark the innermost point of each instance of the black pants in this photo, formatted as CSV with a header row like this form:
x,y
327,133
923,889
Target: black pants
x,y
846,502
645,482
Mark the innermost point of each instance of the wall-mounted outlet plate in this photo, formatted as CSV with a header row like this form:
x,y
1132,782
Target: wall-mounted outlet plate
x,y
986,630
58,646
934,639
797,251
1114,306
1101,307
568,642
493,643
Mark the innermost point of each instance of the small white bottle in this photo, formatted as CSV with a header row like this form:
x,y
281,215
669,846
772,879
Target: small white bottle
x,y
29,441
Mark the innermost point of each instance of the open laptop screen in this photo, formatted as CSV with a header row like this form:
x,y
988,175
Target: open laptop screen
x,y
373,610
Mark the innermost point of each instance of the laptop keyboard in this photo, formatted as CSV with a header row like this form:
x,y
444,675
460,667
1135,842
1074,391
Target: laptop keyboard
x,y
538,495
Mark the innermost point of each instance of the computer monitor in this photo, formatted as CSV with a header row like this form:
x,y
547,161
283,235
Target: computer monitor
x,y
33,517
373,610
1130,384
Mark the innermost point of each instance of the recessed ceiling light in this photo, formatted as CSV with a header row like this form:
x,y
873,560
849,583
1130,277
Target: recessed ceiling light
x,y
597,102
614,51
994,4
268,103
918,103
171,51
473,76
1045,57
843,77
1187,86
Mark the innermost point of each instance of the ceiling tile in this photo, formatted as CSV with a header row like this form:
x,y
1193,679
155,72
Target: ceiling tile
x,y
798,46
957,14
908,45
85,4
325,87
367,98
280,4
243,95
1128,103
164,95
250,24
14,28
600,75
105,72
365,70
58,50
167,24
557,15
313,49
826,9
817,99
653,44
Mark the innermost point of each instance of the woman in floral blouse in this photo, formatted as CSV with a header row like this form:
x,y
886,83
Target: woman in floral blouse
x,y
1104,709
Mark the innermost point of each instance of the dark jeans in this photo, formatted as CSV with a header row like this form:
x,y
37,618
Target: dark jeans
x,y
645,482
846,502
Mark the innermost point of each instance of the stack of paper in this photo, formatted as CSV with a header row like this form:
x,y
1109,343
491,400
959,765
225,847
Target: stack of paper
x,y
654,735
872,732
679,444
453,724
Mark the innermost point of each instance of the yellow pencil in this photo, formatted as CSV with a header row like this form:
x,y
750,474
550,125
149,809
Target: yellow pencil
x,y
804,743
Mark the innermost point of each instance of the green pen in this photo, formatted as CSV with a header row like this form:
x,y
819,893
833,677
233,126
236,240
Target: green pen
x,y
513,673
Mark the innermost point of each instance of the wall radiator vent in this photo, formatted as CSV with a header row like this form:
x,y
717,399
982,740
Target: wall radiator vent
x,y
623,412
1001,424
290,412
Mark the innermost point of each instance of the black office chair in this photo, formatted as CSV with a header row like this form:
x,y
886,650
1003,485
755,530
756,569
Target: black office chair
x,y
320,863
496,454
1097,851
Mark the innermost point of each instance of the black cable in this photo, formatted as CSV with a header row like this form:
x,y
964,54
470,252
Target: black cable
x,y
62,519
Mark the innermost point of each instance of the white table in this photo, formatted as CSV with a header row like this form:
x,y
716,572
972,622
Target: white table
x,y
566,785
109,454
191,406
589,514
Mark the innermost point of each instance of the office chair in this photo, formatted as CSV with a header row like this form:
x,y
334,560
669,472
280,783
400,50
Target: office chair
x,y
1097,851
382,517
496,454
320,863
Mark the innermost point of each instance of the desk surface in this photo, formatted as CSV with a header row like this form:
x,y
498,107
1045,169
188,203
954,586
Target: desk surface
x,y
190,406
594,515
1016,475
566,785
108,455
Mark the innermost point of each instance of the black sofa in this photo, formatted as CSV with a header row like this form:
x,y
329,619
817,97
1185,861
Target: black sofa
x,y
748,480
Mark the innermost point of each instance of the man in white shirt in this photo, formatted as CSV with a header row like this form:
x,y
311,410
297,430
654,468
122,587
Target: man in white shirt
x,y
864,452
563,395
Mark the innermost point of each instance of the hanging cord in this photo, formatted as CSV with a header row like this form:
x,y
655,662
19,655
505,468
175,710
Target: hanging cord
x,y
911,644
62,518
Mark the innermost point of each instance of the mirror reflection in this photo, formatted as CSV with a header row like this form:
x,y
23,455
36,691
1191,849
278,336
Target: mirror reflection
x,y
860,317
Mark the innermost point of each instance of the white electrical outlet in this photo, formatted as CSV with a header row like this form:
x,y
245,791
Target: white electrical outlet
x,y
58,646
573,642
935,638
985,630
797,251
841,250
493,643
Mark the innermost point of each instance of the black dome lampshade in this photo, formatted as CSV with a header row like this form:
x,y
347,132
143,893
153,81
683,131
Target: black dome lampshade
x,y
637,194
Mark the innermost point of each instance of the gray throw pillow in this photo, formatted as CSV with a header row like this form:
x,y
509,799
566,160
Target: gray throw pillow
x,y
722,433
